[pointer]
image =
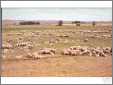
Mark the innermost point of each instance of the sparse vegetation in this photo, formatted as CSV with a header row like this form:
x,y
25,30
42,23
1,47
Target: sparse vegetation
x,y
29,23
60,23
76,22
63,50
93,23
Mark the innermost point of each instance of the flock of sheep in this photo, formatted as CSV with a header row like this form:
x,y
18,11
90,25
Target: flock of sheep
x,y
72,51
54,37
77,50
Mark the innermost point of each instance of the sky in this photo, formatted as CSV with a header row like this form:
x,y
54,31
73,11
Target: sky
x,y
55,13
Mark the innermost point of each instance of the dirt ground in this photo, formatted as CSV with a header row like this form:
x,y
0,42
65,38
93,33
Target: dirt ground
x,y
58,37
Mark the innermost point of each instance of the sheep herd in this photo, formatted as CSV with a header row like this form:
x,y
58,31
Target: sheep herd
x,y
71,51
77,50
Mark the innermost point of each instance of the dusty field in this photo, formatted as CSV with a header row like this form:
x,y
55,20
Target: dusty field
x,y
19,42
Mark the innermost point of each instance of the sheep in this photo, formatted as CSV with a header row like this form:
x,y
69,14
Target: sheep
x,y
35,55
25,44
75,52
74,47
47,51
98,52
28,56
86,52
107,50
102,54
82,49
66,52
22,44
7,46
29,46
19,57
53,51
94,53
71,52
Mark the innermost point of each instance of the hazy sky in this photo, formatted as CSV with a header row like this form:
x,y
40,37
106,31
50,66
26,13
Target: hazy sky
x,y
84,14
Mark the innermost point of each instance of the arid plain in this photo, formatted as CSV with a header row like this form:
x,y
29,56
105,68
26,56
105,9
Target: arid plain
x,y
51,50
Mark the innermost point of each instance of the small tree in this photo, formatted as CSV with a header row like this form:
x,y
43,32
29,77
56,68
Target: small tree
x,y
76,22
93,23
60,23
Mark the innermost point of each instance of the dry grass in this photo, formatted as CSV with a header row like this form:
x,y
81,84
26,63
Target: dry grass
x,y
58,37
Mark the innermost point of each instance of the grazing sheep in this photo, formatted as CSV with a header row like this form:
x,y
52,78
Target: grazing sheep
x,y
35,55
107,50
9,41
102,54
29,56
86,52
22,44
19,57
73,47
75,52
29,46
94,53
82,49
52,50
7,46
47,51
66,52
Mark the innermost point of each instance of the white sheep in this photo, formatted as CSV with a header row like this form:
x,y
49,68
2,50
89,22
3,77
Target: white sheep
x,y
7,46
19,57
75,52
66,52
21,44
35,55
47,51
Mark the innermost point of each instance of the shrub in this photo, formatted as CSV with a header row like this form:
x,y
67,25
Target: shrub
x,y
76,22
93,23
29,23
60,23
